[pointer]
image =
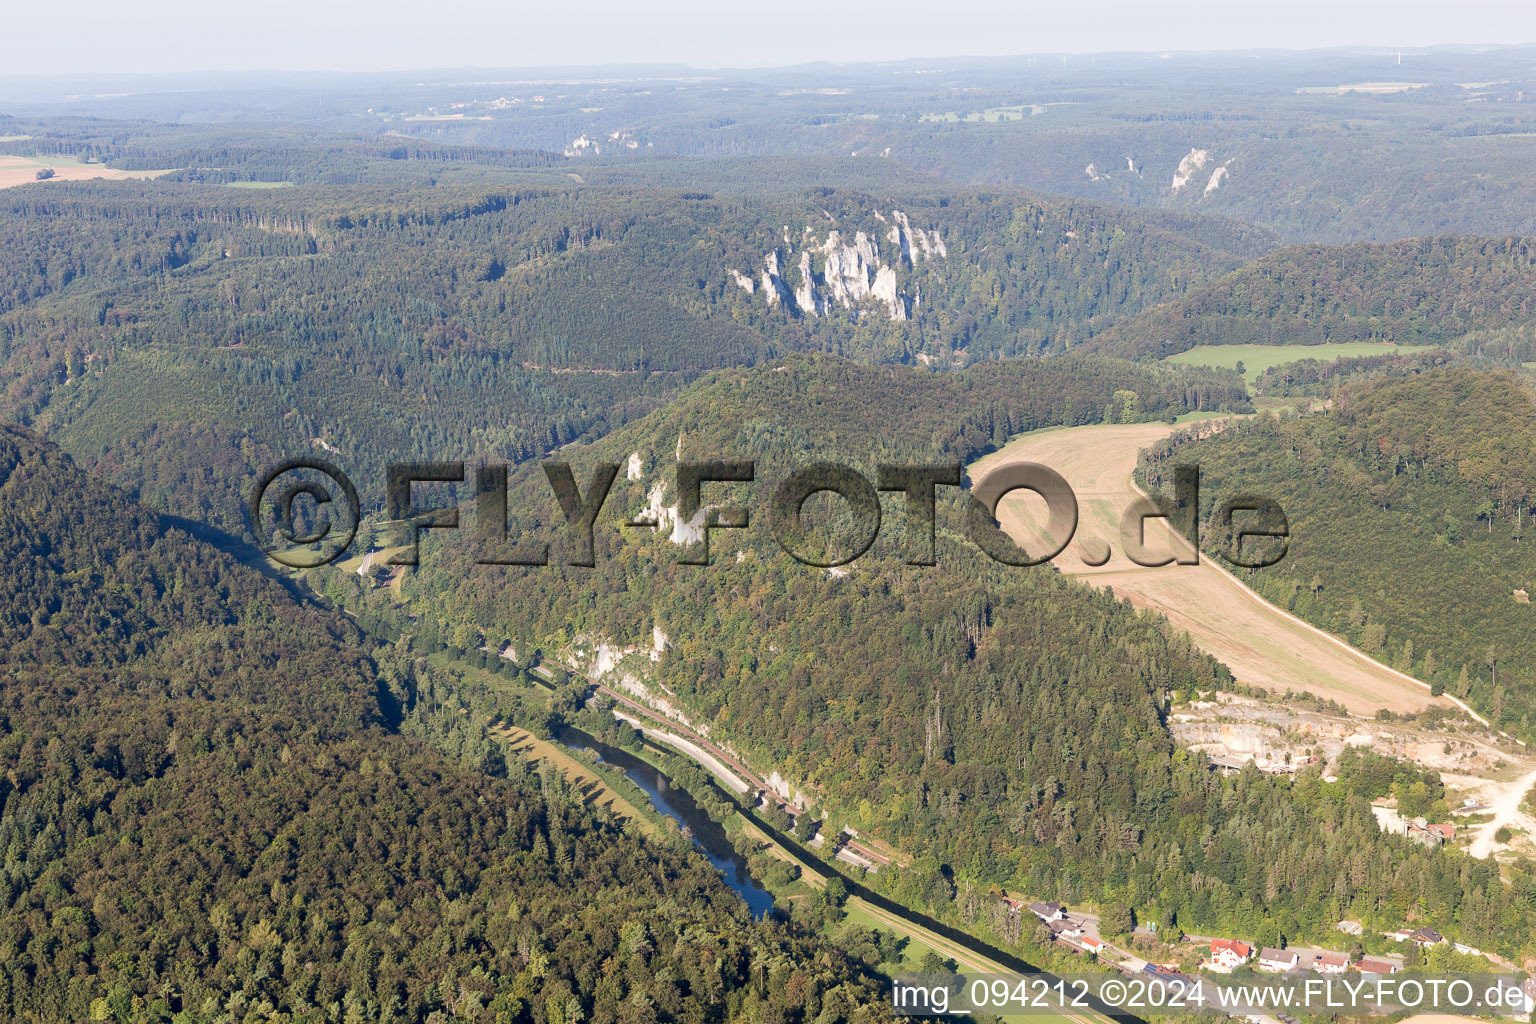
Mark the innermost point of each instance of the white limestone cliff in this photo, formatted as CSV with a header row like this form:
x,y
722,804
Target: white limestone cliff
x,y
806,296
1193,161
847,273
773,282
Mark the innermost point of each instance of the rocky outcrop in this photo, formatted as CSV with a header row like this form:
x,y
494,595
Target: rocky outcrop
x,y
847,273
1192,162
773,283
915,243
884,289
1215,182
807,297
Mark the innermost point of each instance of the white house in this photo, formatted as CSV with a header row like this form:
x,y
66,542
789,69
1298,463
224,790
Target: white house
x,y
1276,959
1230,953
1048,911
1330,963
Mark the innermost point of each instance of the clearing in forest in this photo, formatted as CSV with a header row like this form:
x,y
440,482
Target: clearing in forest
x,y
1258,358
22,170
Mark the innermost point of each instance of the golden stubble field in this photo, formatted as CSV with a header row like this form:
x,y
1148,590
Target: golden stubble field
x,y
22,170
1262,644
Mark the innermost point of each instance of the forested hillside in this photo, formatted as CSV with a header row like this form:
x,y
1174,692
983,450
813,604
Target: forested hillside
x,y
1003,726
1317,378
1410,505
220,803
1420,291
173,336
206,815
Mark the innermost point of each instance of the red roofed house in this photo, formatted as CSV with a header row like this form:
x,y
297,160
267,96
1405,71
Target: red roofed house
x,y
1330,963
1230,953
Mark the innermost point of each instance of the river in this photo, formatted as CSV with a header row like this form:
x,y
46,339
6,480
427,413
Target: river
x,y
712,841
678,805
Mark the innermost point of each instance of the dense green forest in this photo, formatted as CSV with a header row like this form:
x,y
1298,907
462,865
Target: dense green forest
x,y
173,337
220,802
1420,291
1409,503
208,812
1004,726
1317,378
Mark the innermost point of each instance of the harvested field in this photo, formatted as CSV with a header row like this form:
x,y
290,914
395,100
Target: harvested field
x,y
22,170
1262,645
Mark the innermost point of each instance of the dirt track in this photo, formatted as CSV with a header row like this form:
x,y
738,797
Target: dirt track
x,y
1262,645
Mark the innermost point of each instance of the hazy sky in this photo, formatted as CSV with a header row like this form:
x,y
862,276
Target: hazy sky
x,y
351,35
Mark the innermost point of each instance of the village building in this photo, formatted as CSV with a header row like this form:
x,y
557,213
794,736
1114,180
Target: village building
x,y
1376,965
1067,929
1329,963
1427,937
1230,953
1048,911
1277,959
1421,831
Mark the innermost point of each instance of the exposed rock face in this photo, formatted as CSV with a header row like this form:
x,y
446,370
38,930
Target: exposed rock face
x,y
806,296
1093,173
915,242
884,289
785,791
846,273
773,284
1192,162
682,532
847,268
1215,182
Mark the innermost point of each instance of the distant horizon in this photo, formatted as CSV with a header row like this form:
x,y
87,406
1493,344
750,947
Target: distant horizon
x,y
1364,49
392,36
